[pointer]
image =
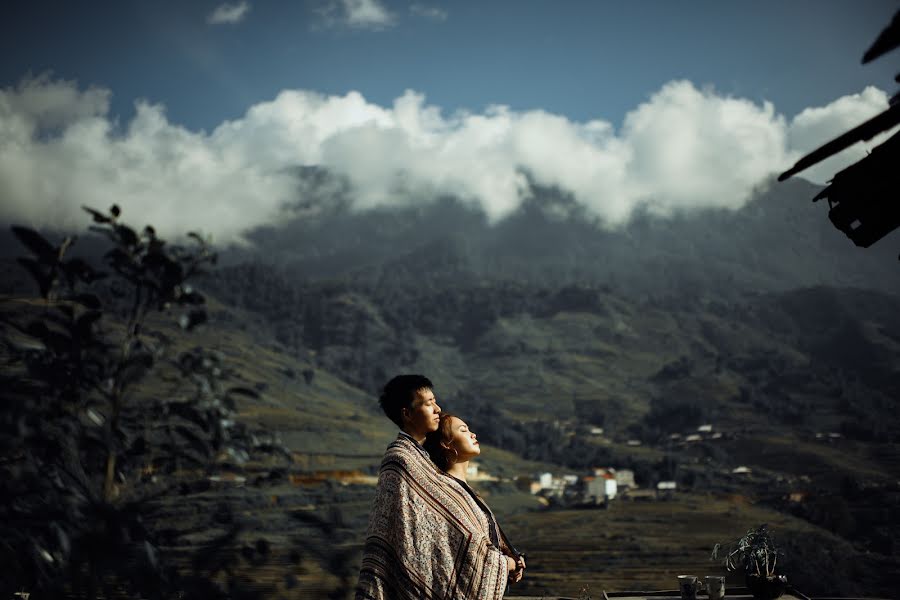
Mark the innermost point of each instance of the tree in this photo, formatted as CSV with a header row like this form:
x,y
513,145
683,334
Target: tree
x,y
90,447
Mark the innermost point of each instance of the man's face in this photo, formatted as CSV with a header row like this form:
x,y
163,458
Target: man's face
x,y
424,415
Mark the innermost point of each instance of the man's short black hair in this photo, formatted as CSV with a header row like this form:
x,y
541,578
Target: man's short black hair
x,y
399,393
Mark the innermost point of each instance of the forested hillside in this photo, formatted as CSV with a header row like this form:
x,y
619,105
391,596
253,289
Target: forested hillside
x,y
764,323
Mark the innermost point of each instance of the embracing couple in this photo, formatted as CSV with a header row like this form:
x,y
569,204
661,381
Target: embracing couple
x,y
430,535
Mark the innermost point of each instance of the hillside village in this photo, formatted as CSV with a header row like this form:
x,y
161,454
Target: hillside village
x,y
567,488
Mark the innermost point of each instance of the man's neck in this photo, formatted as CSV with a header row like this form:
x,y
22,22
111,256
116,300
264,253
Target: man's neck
x,y
459,470
416,435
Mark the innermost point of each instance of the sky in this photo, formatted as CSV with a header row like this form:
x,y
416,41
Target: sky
x,y
172,109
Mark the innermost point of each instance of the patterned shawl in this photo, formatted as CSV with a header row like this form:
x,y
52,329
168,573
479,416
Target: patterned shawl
x,y
427,537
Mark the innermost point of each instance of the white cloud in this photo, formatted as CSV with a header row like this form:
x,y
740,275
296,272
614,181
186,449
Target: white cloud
x,y
427,11
356,14
814,127
682,148
59,149
228,13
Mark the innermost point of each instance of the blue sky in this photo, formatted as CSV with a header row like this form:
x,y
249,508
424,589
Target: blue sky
x,y
579,59
168,107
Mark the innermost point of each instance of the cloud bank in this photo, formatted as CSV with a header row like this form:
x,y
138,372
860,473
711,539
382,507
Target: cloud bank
x,y
683,148
228,14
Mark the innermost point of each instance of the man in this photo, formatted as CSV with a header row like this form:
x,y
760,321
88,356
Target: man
x,y
423,539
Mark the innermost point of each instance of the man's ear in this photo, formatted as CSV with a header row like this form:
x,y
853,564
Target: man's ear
x,y
404,414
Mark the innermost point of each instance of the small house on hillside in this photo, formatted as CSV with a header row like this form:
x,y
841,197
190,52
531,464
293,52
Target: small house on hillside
x,y
625,478
601,487
473,473
545,481
665,489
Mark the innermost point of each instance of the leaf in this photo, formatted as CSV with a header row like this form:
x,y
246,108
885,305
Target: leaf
x,y
54,340
159,261
127,234
197,443
37,329
35,242
66,309
117,256
150,552
123,436
91,301
84,326
98,216
134,369
228,402
242,391
81,269
186,411
43,280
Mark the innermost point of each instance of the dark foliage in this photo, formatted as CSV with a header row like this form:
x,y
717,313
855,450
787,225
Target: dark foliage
x,y
90,454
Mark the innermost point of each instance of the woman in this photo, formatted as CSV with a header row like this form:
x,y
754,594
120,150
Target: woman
x,y
451,448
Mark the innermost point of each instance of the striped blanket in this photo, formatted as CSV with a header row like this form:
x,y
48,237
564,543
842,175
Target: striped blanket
x,y
427,538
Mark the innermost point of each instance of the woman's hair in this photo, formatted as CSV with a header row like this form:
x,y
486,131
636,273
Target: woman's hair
x,y
438,443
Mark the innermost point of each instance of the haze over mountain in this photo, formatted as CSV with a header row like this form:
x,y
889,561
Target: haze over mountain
x,y
777,241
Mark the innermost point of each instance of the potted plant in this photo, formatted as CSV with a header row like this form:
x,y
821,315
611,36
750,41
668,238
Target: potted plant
x,y
756,554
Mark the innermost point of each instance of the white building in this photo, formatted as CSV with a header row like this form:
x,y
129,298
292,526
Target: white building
x,y
625,478
601,488
545,480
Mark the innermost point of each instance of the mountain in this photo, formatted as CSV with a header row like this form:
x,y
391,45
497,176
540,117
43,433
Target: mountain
x,y
779,240
764,322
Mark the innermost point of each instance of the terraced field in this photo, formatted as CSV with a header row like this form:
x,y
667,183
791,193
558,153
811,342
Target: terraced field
x,y
634,545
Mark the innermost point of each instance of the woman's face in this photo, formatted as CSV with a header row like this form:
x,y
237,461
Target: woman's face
x,y
463,440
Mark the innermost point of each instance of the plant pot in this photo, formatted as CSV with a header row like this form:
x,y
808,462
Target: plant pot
x,y
766,588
